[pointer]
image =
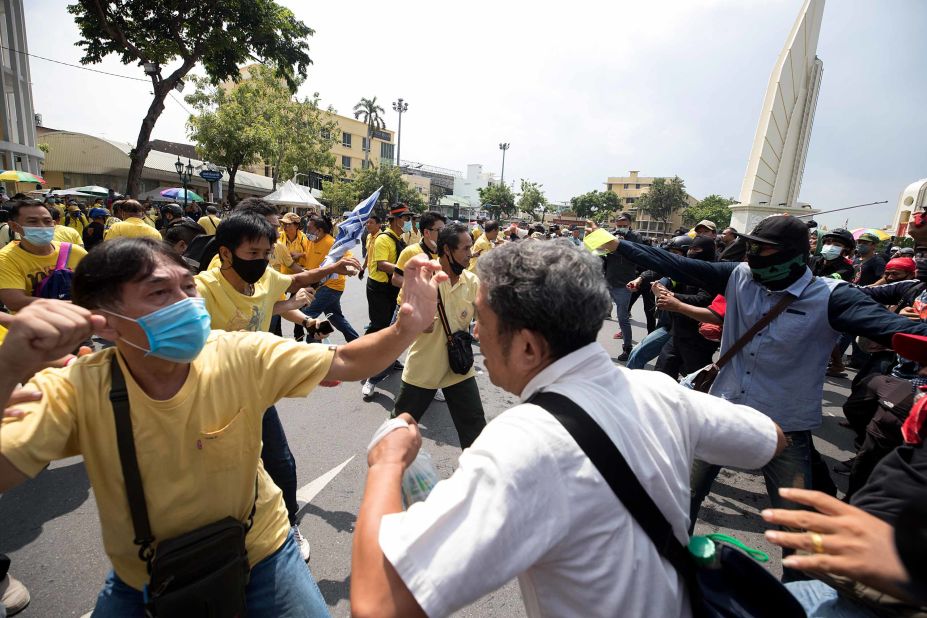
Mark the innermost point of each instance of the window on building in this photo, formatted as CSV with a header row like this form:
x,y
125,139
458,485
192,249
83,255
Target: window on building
x,y
629,200
627,186
638,186
346,140
365,164
365,144
386,152
609,186
346,162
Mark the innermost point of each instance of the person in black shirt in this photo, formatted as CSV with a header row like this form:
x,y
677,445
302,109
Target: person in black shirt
x,y
836,246
871,264
93,233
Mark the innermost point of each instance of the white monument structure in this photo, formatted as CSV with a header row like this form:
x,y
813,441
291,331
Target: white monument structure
x,y
777,160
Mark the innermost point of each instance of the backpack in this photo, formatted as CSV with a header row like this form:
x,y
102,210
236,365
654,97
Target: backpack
x,y
57,284
201,250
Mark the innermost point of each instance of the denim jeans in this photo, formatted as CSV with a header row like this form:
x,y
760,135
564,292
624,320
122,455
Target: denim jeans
x,y
791,468
648,348
821,601
622,297
328,301
280,585
278,460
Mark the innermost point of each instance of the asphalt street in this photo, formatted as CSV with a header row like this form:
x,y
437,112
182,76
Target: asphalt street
x,y
49,526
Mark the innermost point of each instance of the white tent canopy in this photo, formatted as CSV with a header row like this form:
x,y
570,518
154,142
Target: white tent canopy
x,y
292,194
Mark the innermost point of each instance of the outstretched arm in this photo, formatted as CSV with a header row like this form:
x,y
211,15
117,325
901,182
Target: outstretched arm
x,y
850,310
711,276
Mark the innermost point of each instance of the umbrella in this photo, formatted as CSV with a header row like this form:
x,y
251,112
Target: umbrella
x,y
880,234
18,176
93,190
177,194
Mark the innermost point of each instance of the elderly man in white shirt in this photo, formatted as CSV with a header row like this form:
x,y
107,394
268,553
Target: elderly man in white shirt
x,y
525,500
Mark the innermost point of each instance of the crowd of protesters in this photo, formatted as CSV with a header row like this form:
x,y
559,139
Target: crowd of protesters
x,y
169,319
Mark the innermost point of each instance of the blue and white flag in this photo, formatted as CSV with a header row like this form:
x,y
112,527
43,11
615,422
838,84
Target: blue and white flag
x,y
351,229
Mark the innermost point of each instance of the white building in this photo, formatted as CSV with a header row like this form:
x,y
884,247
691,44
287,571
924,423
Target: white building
x,y
468,187
17,116
912,199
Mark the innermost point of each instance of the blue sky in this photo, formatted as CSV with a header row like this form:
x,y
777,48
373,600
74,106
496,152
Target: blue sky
x,y
581,91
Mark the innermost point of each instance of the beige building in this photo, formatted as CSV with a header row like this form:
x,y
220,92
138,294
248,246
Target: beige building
x,y
421,184
631,187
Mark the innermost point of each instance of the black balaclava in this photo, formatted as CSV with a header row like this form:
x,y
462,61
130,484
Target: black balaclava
x,y
707,246
779,270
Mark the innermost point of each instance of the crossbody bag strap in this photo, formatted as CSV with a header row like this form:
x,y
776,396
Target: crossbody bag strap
x,y
750,334
444,323
614,468
64,254
119,396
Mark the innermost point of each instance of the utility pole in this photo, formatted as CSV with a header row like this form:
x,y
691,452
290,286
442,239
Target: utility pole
x,y
503,147
399,106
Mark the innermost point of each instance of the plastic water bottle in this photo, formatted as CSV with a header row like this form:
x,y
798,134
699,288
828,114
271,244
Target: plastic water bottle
x,y
420,477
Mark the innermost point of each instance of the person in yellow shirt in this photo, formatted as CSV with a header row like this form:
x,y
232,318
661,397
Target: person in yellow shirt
x,y
132,225
211,221
196,399
294,239
328,296
373,230
64,233
75,218
410,233
24,265
430,225
53,202
486,241
427,367
478,229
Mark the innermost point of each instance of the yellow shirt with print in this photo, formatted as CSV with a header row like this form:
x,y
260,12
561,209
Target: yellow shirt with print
x,y
481,246
384,250
132,227
198,452
209,223
231,310
21,270
427,365
64,233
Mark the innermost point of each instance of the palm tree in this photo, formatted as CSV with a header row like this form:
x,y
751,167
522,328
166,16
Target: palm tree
x,y
371,113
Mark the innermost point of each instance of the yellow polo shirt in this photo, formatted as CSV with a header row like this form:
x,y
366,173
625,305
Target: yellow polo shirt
x,y
300,244
132,227
209,223
427,365
21,270
198,452
231,310
481,246
384,250
75,220
64,233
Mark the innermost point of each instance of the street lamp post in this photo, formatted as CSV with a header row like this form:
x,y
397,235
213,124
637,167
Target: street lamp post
x,y
503,148
399,106
184,174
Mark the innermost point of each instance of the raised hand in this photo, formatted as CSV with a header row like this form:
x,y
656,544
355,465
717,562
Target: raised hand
x,y
347,266
420,293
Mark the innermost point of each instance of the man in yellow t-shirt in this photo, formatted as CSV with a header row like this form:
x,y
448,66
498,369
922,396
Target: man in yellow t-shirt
x,y
133,224
211,221
75,218
25,264
478,229
196,400
427,367
373,230
64,233
430,225
484,243
294,240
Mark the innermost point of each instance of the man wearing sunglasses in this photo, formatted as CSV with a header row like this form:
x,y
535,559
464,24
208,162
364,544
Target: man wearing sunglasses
x,y
780,371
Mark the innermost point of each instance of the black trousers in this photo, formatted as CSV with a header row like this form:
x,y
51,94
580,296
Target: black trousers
x,y
650,306
381,304
463,402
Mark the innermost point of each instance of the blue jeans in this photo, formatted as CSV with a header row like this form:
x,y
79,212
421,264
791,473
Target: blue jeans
x,y
278,460
648,348
328,300
622,297
822,601
280,585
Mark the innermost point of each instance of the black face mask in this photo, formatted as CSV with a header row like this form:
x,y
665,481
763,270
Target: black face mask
x,y
250,271
457,268
777,271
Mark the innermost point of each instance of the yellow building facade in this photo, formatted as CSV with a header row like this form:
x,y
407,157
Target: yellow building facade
x,y
631,187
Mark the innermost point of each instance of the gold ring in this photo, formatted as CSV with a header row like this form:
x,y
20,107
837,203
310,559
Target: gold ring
x,y
817,542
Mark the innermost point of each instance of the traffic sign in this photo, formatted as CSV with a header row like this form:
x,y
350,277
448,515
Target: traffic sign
x,y
211,175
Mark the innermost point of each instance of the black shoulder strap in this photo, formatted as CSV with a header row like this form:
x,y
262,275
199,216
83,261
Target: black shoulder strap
x,y
119,396
443,315
613,467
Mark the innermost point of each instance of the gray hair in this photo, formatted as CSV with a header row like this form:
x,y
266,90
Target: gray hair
x,y
555,289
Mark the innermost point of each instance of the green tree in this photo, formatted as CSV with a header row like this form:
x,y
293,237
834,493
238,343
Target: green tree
x,y
372,115
532,199
663,199
220,36
340,196
714,208
596,205
498,200
395,190
437,193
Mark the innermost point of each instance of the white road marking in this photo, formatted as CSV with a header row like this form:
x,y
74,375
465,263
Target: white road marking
x,y
307,492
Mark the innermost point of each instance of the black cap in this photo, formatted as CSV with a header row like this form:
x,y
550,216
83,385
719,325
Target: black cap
x,y
624,215
783,231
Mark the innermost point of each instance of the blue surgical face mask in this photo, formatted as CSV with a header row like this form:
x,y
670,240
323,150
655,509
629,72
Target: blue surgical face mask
x,y
312,237
407,226
39,236
176,333
831,252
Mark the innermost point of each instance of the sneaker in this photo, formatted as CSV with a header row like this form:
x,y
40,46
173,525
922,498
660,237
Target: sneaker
x,y
617,335
439,395
623,358
302,543
367,390
13,595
